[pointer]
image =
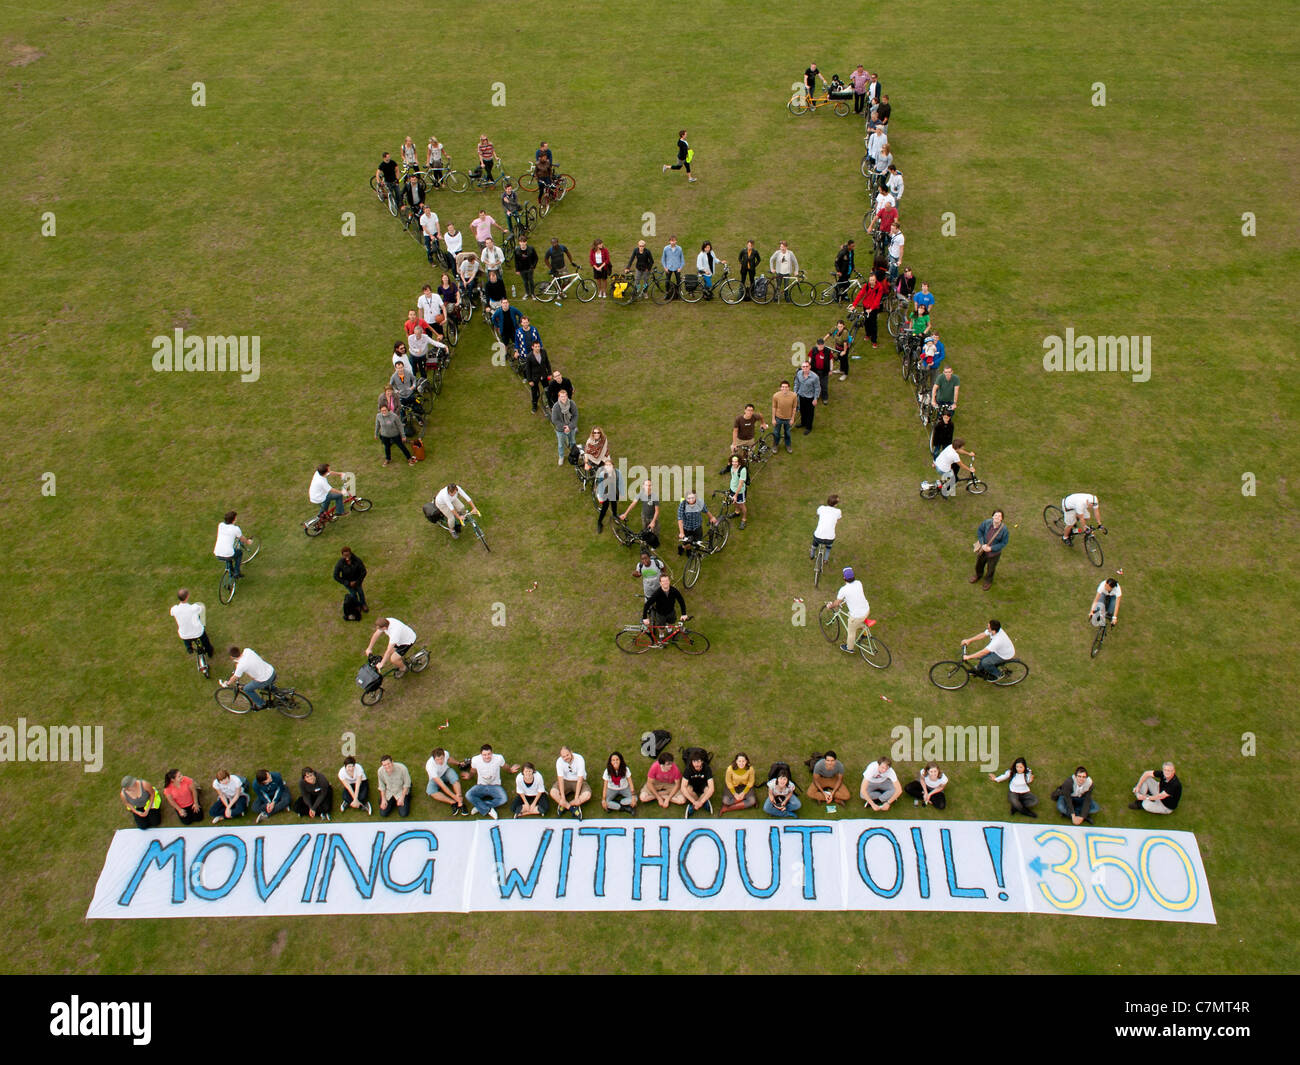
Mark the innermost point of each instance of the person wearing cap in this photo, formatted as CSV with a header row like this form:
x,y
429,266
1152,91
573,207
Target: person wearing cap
x,y
851,593
143,801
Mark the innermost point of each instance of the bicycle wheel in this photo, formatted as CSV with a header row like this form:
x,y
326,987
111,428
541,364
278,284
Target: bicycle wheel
x,y
1013,672
1052,519
929,489
314,527
841,108
291,704
819,562
691,643
829,622
692,295
824,293
801,294
478,531
435,379
233,699
360,505
585,289
691,571
424,396
633,641
796,106
719,534
1099,637
658,293
976,487
251,549
547,291
867,168
374,187
456,181
622,533
731,291
1093,546
567,184
370,698
452,330
873,652
896,320
227,592
419,661
393,207
949,675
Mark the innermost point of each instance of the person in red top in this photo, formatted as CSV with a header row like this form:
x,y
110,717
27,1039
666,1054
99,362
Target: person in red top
x,y
182,794
487,155
412,320
600,267
882,225
868,302
663,784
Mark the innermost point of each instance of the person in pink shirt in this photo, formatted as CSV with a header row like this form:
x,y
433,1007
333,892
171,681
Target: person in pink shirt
x,y
664,783
483,226
859,79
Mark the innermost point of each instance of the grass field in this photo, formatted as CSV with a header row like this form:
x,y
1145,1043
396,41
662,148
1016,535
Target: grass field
x,y
227,219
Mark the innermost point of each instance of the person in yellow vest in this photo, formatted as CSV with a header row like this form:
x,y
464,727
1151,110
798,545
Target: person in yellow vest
x,y
143,801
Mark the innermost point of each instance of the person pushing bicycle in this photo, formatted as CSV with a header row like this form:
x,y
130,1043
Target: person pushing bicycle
x,y
661,609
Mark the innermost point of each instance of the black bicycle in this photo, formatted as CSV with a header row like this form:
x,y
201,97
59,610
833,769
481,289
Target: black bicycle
x,y
413,661
289,702
1103,626
950,676
228,577
976,487
1055,520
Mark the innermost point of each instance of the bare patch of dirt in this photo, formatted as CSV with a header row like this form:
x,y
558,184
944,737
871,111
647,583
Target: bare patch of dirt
x,y
23,55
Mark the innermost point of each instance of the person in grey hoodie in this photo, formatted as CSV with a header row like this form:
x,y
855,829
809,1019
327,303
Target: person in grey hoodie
x,y
403,383
564,419
389,431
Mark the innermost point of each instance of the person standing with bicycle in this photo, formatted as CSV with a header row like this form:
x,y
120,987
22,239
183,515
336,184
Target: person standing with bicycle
x,y
844,270
673,260
649,503
946,390
684,156
386,175
990,539
691,513
742,435
999,649
851,593
749,260
230,544
487,155
642,260
436,160
525,264
810,77
706,264
556,255
739,487
783,266
190,621
260,673
661,609
350,572
510,204
609,489
432,234
401,638
868,302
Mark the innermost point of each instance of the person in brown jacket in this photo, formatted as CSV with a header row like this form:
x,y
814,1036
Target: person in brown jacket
x,y
784,405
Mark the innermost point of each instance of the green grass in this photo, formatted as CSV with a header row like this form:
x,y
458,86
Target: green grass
x,y
226,219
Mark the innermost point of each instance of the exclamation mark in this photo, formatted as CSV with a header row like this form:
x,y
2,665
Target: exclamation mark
x,y
993,840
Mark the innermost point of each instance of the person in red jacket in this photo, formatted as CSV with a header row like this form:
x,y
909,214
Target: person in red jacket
x,y
600,267
821,358
867,301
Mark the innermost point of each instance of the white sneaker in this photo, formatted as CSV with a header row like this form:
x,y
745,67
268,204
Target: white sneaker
x,y
216,820
560,461
665,168
692,179
492,813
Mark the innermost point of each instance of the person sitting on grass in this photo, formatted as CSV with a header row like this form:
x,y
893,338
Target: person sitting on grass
x,y
444,781
356,788
182,794
1074,797
928,788
232,798
781,798
1022,800
315,795
270,795
663,784
1158,792
530,793
617,791
739,780
697,782
827,779
571,789
880,787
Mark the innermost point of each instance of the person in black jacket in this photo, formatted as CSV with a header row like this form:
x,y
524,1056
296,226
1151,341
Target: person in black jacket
x,y
661,608
643,260
350,572
525,264
941,434
537,368
315,795
749,260
555,385
843,271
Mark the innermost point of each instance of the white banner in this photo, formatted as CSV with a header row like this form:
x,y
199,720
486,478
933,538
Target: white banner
x,y
636,864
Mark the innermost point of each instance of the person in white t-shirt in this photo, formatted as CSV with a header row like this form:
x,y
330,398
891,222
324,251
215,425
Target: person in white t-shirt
x,y
828,516
444,780
261,674
190,619
927,788
1074,511
571,789
896,243
453,240
232,797
355,786
324,493
431,306
486,795
851,593
948,462
431,235
453,502
880,786
999,650
400,639
530,793
231,542
1105,604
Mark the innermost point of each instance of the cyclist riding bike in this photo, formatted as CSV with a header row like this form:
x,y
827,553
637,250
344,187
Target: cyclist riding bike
x,y
231,542
999,649
661,609
323,493
691,513
453,502
400,640
260,672
1105,604
1074,513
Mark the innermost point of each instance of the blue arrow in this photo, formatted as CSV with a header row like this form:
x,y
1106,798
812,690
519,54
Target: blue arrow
x,y
1037,865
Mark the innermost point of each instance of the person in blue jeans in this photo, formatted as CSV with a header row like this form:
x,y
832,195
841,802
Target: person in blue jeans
x,y
271,794
781,798
999,650
673,260
487,793
1074,797
564,420
324,493
260,672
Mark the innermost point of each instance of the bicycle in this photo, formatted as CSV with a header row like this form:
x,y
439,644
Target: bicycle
x,y
468,520
558,287
952,676
835,627
1099,637
627,290
801,103
695,550
413,420
529,182
413,661
693,288
439,367
316,525
477,177
637,639
733,291
720,531
755,455
825,292
820,554
288,701
1054,519
625,535
976,487
793,289
228,578
386,193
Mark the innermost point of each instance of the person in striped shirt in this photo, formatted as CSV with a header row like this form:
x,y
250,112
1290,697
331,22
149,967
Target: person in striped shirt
x,y
487,155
